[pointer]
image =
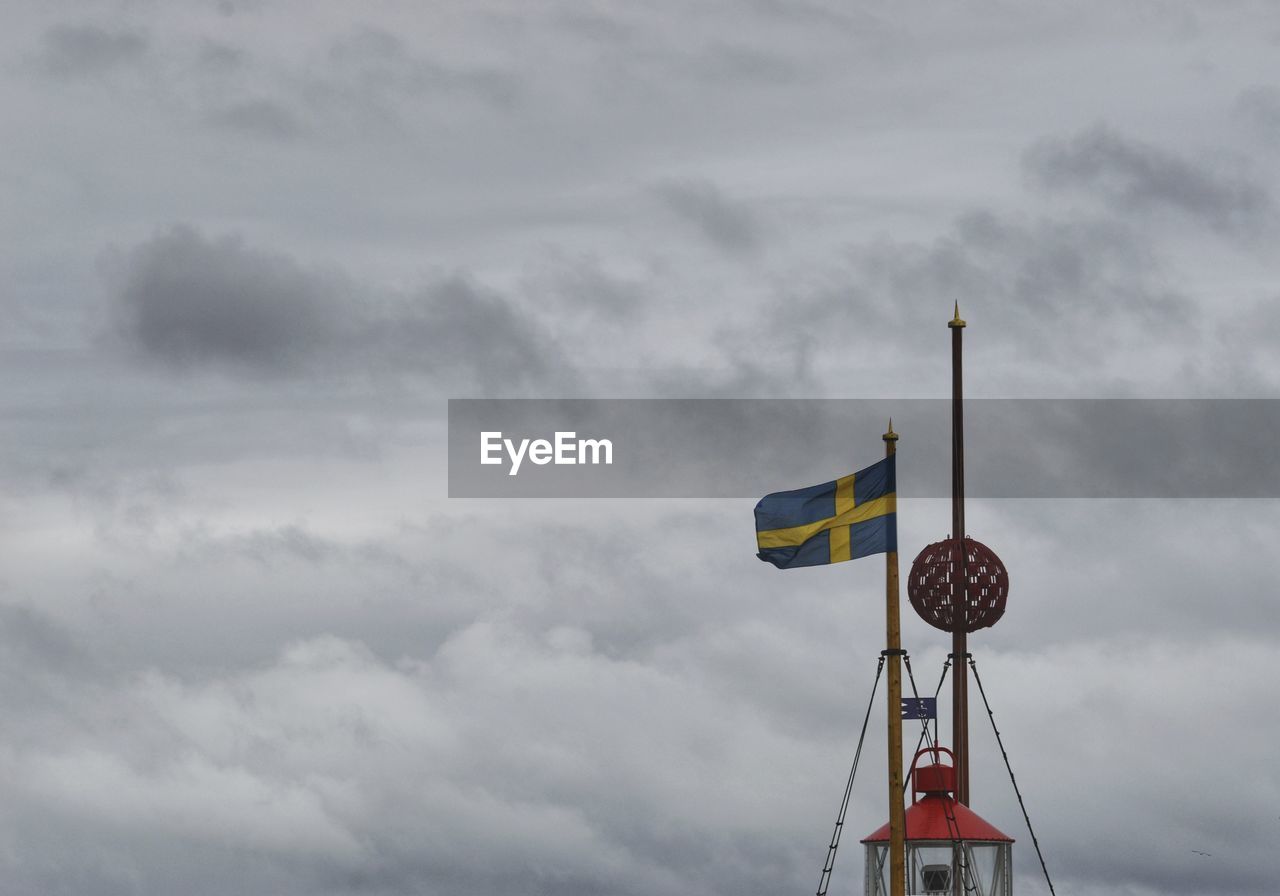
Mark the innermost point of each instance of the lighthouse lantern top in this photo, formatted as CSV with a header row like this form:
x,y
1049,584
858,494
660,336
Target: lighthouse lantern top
x,y
934,813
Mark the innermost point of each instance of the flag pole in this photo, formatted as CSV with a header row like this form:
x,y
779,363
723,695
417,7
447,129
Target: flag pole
x,y
960,602
893,654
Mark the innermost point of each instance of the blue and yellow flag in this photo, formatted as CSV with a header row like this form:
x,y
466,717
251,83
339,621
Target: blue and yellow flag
x,y
853,516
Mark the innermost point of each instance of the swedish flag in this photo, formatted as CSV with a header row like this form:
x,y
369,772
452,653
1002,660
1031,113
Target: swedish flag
x,y
853,516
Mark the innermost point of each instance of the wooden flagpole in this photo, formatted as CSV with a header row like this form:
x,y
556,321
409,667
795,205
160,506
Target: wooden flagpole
x,y
893,654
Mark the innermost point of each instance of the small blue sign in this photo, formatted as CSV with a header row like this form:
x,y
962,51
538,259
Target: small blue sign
x,y
920,707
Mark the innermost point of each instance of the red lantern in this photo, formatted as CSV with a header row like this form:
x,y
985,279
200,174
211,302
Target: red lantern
x,y
949,847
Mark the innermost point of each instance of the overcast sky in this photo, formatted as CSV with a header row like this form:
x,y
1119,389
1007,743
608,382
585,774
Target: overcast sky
x,y
251,247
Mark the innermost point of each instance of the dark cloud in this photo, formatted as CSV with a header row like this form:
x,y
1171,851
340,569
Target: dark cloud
x,y
453,325
79,51
189,301
1129,174
1047,267
258,118
1069,287
726,223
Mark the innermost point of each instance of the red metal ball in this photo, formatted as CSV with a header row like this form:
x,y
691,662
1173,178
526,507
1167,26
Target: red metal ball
x,y
935,587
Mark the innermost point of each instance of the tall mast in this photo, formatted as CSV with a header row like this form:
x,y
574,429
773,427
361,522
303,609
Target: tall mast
x,y
893,655
958,585
959,582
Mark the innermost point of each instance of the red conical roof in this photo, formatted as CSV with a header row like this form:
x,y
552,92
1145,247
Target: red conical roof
x,y
938,817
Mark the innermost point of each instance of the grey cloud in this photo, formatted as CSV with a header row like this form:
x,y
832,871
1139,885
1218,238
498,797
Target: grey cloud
x,y
455,325
1250,366
321,737
221,57
229,8
323,678
1047,266
730,63
838,16
187,300
1088,292
302,762
190,302
1259,108
621,677
1068,288
1128,174
384,66
74,51
726,223
745,370
258,118
290,543
583,286
598,27
37,643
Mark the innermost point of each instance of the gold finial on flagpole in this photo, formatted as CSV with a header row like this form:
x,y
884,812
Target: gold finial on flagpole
x,y
890,436
956,322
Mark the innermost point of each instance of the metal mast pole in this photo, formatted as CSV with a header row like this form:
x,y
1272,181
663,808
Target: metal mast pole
x,y
959,636
893,654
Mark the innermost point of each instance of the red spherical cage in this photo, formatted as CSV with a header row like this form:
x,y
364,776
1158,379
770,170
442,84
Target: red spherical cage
x,y
935,580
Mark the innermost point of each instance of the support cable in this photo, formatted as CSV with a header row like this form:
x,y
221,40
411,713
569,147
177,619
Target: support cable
x,y
924,734
825,880
953,827
1012,779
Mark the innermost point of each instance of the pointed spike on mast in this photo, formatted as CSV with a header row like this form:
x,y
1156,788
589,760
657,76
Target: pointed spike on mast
x,y
890,436
955,322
